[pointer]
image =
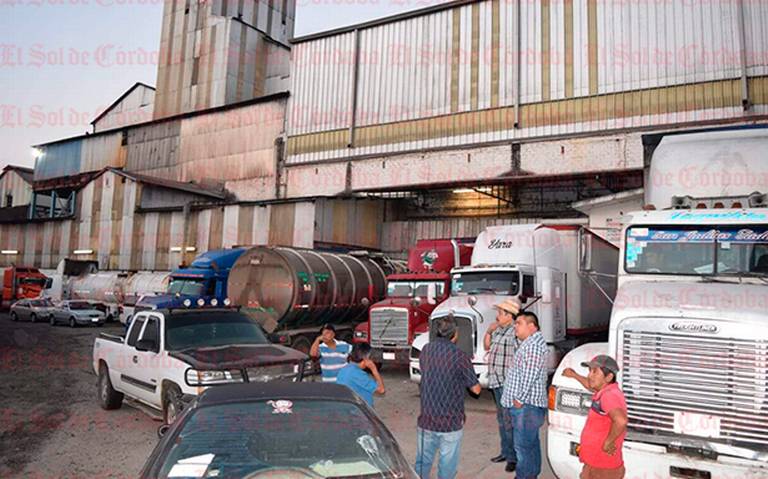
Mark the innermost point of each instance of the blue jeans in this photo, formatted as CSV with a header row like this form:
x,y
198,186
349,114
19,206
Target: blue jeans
x,y
527,422
428,443
506,432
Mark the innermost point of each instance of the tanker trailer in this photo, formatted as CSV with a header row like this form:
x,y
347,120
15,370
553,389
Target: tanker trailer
x,y
293,292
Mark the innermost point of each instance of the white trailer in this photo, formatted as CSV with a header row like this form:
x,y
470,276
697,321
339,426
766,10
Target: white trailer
x,y
689,327
563,273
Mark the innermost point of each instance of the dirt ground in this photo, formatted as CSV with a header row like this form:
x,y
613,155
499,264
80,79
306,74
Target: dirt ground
x,y
53,427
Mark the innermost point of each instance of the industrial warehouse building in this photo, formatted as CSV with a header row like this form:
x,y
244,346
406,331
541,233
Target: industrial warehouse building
x,y
429,124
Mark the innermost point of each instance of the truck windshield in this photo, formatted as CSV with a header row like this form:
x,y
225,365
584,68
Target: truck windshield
x,y
409,289
187,287
197,329
493,282
33,281
260,440
697,251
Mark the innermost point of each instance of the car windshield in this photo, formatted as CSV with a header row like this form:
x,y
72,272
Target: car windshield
x,y
493,282
280,438
696,251
189,287
80,305
409,289
201,328
42,303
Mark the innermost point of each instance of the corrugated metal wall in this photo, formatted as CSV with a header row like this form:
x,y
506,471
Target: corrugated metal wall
x,y
135,108
448,78
233,148
81,155
13,184
208,58
123,237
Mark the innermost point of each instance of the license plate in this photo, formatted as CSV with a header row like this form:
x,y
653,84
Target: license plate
x,y
700,425
95,320
389,356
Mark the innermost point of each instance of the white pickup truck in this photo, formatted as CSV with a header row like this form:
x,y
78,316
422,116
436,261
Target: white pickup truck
x,y
166,354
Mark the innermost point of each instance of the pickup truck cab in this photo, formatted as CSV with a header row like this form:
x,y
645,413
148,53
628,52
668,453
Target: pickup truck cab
x,y
167,354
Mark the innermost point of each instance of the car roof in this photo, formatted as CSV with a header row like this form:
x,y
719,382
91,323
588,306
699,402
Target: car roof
x,y
276,390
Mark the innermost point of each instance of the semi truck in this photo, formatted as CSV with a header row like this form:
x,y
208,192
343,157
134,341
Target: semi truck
x,y
293,292
540,265
689,327
204,282
411,297
20,282
115,293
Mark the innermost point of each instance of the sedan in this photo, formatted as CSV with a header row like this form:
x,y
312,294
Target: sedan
x,y
280,430
77,313
32,309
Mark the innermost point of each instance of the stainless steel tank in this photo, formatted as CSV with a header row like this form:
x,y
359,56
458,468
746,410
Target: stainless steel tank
x,y
286,288
116,287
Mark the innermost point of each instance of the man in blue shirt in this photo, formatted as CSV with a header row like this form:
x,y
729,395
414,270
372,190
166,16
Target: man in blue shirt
x,y
353,375
332,353
446,374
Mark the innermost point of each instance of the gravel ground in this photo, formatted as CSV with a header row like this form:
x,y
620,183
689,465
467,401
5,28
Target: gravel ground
x,y
53,427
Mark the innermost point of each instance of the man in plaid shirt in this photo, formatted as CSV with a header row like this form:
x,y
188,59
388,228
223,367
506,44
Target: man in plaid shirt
x,y
501,343
525,393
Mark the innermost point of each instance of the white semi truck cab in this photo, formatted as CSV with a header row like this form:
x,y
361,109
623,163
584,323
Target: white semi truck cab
x,y
689,327
540,266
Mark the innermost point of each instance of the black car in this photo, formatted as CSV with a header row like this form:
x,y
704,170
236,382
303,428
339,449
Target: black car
x,y
278,430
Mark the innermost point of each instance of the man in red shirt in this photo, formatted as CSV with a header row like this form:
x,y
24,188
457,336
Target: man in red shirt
x,y
606,427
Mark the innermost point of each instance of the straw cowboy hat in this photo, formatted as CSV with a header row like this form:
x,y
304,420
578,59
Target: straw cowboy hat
x,y
509,305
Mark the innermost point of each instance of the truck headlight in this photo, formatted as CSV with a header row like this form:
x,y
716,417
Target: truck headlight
x,y
573,401
210,378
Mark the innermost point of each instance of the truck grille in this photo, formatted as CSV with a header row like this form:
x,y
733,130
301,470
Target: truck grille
x,y
389,327
271,373
668,374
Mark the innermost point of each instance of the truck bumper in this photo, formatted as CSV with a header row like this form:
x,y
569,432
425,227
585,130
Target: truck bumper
x,y
651,461
481,370
391,355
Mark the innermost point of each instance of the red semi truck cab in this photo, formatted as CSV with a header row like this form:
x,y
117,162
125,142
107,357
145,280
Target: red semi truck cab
x,y
22,283
395,321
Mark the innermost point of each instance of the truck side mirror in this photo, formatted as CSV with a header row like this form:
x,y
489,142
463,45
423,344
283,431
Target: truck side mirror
x,y
585,251
146,345
48,283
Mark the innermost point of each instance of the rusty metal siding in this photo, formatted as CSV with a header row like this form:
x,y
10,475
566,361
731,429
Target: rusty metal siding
x,y
13,184
101,151
135,108
349,222
585,67
153,149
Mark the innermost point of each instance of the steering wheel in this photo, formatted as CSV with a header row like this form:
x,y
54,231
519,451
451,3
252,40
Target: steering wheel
x,y
284,473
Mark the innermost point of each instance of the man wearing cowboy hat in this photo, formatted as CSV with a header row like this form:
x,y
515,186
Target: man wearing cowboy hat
x,y
501,343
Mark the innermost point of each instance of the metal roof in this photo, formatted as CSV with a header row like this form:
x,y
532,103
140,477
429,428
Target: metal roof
x,y
170,184
25,173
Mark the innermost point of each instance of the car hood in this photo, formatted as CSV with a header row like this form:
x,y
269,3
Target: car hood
x,y
235,357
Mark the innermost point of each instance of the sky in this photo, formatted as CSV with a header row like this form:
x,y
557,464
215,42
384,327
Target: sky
x,y
63,61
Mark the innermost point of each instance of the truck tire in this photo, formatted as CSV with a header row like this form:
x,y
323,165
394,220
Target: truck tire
x,y
33,318
108,397
72,323
171,401
14,316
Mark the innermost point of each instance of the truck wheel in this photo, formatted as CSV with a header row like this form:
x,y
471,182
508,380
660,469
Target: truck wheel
x,y
72,322
108,397
33,318
14,317
302,344
171,402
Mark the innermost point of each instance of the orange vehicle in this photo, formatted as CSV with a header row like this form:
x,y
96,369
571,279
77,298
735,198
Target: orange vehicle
x,y
20,282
